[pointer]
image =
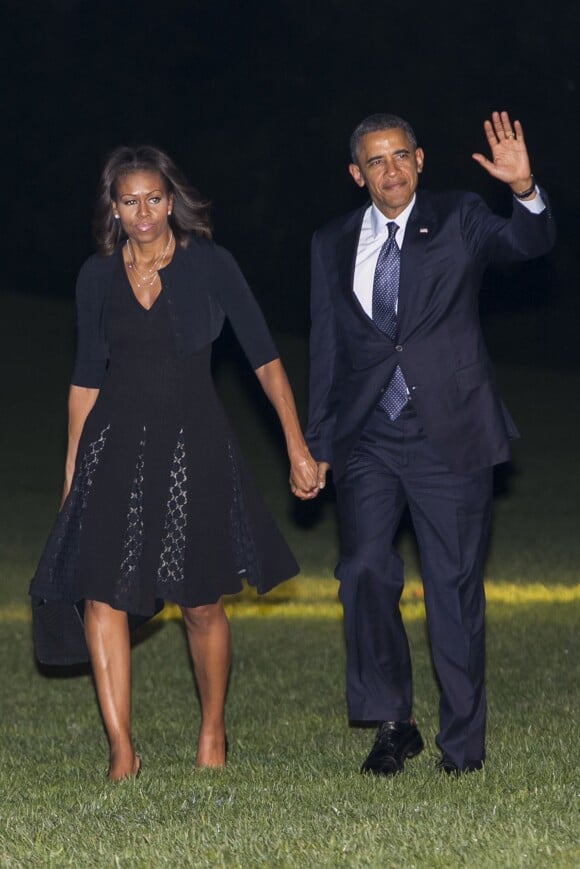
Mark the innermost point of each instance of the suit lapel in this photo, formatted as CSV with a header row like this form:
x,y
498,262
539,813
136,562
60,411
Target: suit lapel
x,y
419,228
346,248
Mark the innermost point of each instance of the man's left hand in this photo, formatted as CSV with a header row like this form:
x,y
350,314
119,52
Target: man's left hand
x,y
510,162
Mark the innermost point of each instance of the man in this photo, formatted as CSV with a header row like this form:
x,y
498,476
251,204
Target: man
x,y
404,408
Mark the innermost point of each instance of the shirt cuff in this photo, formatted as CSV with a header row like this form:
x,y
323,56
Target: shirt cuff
x,y
537,205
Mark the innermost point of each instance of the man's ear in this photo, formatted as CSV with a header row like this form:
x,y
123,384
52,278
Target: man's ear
x,y
356,175
420,157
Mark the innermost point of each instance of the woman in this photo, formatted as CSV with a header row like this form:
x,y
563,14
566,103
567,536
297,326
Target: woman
x,y
157,503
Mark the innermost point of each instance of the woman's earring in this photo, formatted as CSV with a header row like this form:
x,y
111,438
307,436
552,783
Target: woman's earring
x,y
116,216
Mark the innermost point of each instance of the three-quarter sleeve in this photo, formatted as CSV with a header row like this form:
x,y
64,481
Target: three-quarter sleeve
x,y
242,310
91,355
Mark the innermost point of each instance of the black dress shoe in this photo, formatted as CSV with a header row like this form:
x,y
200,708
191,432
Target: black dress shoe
x,y
394,743
449,768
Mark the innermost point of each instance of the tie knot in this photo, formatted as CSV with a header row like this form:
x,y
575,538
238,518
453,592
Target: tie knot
x,y
392,227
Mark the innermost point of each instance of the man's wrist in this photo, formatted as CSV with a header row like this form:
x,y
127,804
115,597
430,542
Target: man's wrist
x,y
526,190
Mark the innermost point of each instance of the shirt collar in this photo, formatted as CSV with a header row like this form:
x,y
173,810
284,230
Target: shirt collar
x,y
379,221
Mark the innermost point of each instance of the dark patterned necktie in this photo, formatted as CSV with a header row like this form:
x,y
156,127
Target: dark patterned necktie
x,y
385,294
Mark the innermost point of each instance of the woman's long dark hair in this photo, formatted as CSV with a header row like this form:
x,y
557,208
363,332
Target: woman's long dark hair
x,y
190,212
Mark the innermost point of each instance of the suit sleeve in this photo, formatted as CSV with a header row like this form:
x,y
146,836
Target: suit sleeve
x,y
325,356
92,353
525,235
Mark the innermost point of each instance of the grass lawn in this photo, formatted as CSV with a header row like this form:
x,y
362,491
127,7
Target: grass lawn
x,y
291,794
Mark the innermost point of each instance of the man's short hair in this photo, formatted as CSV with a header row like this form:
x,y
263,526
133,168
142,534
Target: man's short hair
x,y
380,121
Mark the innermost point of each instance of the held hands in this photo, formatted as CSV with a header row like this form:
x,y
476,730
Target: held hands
x,y
323,468
306,476
510,162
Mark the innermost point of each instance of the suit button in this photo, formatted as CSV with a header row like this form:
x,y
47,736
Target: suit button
x,y
398,348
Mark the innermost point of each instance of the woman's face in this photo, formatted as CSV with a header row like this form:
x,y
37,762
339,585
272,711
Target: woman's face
x,y
143,206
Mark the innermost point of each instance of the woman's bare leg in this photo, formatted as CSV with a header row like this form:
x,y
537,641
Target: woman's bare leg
x,y
208,637
107,635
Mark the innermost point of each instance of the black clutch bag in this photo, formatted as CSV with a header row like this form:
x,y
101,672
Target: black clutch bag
x,y
58,631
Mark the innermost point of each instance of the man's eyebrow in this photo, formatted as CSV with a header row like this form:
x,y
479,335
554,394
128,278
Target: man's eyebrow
x,y
378,156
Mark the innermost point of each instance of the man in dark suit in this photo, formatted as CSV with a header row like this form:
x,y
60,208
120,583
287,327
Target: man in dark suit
x,y
404,408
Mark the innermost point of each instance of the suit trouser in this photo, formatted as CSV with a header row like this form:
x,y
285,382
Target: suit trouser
x,y
392,466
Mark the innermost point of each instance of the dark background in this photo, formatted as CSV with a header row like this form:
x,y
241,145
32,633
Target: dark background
x,y
256,101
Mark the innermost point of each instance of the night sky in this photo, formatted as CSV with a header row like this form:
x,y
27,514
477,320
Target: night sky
x,y
256,100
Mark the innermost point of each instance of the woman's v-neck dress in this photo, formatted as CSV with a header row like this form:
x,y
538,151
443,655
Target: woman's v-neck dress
x,y
161,506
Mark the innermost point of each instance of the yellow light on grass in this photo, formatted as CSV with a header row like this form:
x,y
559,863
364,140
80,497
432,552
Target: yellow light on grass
x,y
317,598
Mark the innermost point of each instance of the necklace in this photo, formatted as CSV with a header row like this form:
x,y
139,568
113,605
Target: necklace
x,y
146,281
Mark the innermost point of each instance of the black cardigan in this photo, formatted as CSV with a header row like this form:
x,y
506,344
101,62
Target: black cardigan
x,y
202,285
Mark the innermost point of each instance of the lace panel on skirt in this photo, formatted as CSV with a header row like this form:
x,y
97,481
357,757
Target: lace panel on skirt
x,y
171,564
69,523
133,543
244,549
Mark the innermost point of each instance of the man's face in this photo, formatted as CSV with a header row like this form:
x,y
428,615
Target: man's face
x,y
388,166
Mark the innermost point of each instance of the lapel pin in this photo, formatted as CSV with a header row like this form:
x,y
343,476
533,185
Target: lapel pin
x,y
423,230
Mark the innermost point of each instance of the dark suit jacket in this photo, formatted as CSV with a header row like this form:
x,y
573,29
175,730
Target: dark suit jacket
x,y
449,240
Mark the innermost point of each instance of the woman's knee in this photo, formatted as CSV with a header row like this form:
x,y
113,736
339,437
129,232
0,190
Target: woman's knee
x,y
101,611
203,618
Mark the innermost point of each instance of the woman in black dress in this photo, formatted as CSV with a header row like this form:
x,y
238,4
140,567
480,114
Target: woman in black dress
x,y
157,502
